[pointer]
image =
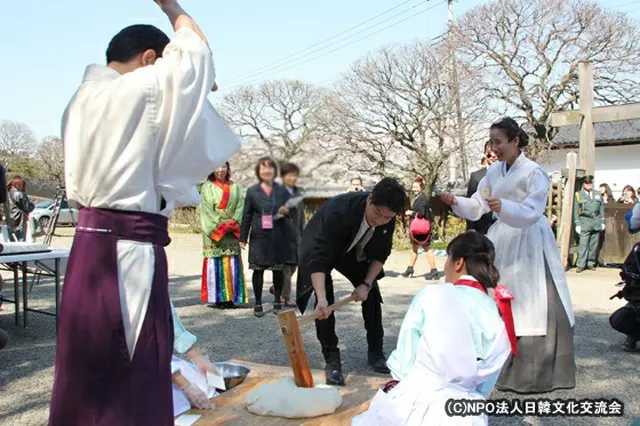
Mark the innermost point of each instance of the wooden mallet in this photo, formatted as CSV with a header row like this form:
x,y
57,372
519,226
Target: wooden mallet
x,y
290,326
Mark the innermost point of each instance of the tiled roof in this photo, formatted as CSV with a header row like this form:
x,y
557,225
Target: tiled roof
x,y
606,133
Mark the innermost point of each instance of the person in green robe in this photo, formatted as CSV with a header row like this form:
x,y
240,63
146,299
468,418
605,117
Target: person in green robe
x,y
223,281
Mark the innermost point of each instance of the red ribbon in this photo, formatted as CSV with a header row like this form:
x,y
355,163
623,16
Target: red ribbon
x,y
503,299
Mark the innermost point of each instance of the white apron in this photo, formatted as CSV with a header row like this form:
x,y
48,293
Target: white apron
x,y
445,367
523,239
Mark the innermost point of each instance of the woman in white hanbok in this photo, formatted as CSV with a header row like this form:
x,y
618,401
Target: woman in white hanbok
x,y
452,344
515,190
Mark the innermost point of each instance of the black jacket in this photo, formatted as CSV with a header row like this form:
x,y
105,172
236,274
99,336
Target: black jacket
x,y
328,236
484,223
421,208
267,247
19,207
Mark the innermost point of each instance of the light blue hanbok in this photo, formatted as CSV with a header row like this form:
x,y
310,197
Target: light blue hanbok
x,y
453,343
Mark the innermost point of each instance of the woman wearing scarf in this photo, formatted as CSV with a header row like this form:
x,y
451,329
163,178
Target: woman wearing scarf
x,y
453,342
223,283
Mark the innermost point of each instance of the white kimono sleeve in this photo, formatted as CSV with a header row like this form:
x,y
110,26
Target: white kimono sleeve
x,y
523,215
193,138
474,207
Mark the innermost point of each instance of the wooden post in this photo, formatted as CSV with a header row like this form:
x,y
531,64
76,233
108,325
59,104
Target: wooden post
x,y
566,217
295,349
587,134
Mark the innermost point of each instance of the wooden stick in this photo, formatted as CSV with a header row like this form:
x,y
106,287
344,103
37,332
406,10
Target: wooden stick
x,y
317,315
295,349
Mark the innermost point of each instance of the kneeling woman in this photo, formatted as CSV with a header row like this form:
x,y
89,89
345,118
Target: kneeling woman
x,y
453,342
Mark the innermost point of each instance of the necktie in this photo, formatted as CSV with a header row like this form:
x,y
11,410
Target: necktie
x,y
360,256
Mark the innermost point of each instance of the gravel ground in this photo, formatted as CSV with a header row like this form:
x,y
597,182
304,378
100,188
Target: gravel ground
x,y
26,364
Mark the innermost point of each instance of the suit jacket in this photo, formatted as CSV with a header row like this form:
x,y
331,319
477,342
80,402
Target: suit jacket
x,y
484,223
326,240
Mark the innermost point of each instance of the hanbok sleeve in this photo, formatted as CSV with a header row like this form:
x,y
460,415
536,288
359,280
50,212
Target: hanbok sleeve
x,y
474,207
401,360
522,215
209,219
193,138
239,208
183,340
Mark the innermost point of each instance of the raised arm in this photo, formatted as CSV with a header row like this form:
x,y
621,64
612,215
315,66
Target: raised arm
x,y
522,215
179,18
192,137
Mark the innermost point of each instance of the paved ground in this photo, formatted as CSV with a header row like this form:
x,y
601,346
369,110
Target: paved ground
x,y
26,365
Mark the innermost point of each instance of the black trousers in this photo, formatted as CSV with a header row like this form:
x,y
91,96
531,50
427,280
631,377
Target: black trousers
x,y
356,273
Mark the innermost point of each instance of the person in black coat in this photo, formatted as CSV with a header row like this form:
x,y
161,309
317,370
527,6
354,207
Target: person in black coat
x,y
421,209
484,223
353,234
269,247
295,223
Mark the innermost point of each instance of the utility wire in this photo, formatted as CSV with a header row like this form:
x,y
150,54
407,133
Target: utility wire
x,y
250,73
275,69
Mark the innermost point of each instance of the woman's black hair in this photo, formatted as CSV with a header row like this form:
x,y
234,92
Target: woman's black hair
x,y
212,175
479,254
509,126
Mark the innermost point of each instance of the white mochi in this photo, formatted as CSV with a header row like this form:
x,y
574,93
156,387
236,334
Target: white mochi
x,y
285,399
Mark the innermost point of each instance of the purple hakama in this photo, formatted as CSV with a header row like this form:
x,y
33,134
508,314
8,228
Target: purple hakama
x,y
96,381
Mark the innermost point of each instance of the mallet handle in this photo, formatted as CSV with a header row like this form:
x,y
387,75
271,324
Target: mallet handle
x,y
317,315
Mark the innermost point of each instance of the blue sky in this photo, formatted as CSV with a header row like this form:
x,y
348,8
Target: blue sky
x,y
47,45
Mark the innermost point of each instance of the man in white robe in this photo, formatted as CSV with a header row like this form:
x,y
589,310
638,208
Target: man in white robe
x,y
139,134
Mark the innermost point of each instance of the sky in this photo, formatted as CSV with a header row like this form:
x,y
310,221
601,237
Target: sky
x,y
47,45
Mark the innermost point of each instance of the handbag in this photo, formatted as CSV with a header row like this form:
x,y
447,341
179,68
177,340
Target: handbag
x,y
420,227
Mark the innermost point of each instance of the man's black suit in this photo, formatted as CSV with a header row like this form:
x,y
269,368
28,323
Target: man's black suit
x,y
484,223
325,244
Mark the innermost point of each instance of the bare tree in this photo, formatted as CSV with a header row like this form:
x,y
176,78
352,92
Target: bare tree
x,y
528,53
50,155
278,119
17,142
395,115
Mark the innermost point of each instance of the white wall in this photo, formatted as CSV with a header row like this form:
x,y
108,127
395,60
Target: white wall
x,y
615,165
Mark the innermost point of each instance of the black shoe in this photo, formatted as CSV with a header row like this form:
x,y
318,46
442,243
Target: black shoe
x,y
257,311
333,370
630,344
433,275
277,308
580,270
408,272
379,363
